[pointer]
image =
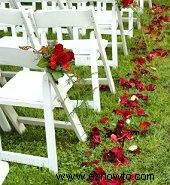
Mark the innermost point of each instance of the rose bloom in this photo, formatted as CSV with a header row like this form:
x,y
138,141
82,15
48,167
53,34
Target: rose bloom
x,y
127,3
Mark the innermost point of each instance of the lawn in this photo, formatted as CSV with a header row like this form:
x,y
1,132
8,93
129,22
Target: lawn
x,y
154,155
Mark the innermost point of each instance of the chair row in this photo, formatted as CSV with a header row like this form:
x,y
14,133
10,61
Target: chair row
x,y
110,21
47,95
37,89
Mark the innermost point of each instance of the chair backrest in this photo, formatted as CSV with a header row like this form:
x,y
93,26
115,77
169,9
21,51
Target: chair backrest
x,y
79,19
103,8
10,55
61,18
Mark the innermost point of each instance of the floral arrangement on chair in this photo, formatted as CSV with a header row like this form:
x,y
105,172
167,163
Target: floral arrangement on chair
x,y
57,60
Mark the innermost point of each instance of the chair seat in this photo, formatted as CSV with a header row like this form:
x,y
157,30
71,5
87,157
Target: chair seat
x,y
27,87
4,169
83,46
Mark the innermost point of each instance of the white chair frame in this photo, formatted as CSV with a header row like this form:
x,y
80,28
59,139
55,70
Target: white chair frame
x,y
42,19
28,59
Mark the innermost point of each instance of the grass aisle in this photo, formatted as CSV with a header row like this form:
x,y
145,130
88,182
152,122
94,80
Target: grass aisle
x,y
154,148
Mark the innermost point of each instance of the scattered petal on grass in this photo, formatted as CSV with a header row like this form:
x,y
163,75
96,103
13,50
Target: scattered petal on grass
x,y
150,87
104,120
104,88
139,60
141,96
123,112
114,137
134,149
134,97
144,125
140,112
95,137
88,153
157,53
115,156
90,163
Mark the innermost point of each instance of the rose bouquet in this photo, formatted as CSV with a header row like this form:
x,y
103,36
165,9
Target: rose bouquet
x,y
56,59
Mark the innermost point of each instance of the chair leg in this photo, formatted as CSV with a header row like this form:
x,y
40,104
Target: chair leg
x,y
4,122
114,41
104,60
120,22
73,118
95,81
130,23
13,117
150,3
49,128
69,110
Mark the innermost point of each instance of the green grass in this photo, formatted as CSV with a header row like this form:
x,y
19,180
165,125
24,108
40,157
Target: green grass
x,y
154,146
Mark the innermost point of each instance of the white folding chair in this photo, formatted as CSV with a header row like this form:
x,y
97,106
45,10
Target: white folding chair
x,y
4,169
88,48
107,21
34,89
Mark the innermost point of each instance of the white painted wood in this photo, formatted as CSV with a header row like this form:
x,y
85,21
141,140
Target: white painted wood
x,y
41,122
49,126
70,112
95,80
103,55
24,159
4,169
4,122
45,18
13,117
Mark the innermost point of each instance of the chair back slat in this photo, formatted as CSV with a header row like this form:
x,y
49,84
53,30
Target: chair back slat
x,y
18,57
61,18
11,54
10,16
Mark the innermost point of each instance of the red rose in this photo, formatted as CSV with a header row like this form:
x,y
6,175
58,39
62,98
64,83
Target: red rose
x,y
53,62
58,49
70,55
127,3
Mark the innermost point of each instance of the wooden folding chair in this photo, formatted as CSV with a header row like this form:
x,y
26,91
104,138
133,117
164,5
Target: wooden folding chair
x,y
34,89
81,47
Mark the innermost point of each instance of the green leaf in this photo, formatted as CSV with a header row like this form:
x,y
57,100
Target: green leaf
x,y
43,63
57,74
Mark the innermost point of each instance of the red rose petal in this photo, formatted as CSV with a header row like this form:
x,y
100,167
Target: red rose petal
x,y
144,125
90,163
140,112
150,87
104,120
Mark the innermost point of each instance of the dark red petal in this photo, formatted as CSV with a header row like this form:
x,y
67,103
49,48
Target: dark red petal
x,y
104,120
99,170
140,112
104,88
90,163
144,125
108,156
150,87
